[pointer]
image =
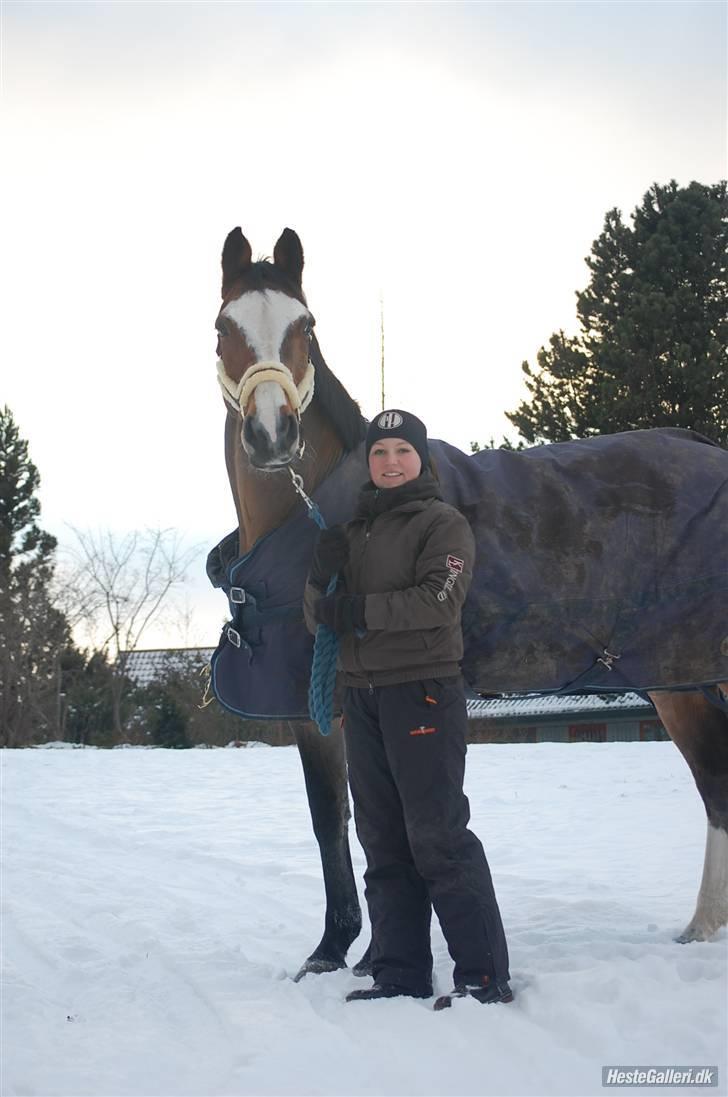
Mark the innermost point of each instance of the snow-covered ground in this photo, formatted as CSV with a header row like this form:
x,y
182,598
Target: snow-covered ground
x,y
156,904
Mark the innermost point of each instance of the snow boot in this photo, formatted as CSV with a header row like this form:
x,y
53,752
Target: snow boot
x,y
385,990
486,992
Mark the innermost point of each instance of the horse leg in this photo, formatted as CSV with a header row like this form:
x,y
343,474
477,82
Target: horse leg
x,y
324,770
699,730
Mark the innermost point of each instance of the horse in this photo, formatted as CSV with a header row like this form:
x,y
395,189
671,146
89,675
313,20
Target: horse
x,y
290,422
268,355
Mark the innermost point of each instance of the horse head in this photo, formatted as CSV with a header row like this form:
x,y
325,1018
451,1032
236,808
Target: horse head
x,y
264,335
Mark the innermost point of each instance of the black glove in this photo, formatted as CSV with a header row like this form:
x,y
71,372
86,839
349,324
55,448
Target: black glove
x,y
330,555
341,612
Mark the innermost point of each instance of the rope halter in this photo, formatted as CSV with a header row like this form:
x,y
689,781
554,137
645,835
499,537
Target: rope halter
x,y
238,393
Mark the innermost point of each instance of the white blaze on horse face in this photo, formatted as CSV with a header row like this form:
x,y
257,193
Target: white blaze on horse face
x,y
269,397
264,318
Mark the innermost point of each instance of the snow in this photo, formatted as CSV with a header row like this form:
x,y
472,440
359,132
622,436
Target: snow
x,y
157,903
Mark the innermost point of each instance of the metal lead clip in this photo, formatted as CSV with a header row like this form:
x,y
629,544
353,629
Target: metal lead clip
x,y
298,486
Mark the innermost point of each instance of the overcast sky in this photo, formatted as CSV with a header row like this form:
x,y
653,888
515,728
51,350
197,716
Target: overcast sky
x,y
454,159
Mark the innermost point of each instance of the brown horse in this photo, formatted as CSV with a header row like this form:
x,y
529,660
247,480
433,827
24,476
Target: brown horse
x,y
275,382
264,325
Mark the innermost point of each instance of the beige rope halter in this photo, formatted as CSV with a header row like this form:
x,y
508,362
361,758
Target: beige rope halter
x,y
238,393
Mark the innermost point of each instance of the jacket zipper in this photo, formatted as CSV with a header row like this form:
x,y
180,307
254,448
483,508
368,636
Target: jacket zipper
x,y
367,535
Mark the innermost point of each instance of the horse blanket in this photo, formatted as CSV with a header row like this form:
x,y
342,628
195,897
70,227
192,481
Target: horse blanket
x,y
601,566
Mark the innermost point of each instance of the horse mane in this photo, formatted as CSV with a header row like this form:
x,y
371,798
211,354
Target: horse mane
x,y
344,412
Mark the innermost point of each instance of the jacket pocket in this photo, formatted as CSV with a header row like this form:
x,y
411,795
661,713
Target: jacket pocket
x,y
440,691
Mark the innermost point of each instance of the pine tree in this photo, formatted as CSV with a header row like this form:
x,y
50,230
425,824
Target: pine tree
x,y
166,720
33,633
87,698
653,347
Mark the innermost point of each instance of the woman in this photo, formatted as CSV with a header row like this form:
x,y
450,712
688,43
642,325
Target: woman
x,y
405,564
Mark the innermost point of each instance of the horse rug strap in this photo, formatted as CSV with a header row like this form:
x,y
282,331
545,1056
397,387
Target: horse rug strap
x,y
601,566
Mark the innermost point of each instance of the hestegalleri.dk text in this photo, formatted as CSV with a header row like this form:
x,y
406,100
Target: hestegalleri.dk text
x,y
659,1076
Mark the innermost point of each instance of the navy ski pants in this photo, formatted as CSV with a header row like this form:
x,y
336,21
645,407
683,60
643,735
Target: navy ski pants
x,y
405,748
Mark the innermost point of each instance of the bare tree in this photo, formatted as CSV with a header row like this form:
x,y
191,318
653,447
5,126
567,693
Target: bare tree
x,y
117,586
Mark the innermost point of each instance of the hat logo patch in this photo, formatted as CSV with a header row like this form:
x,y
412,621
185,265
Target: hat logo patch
x,y
389,420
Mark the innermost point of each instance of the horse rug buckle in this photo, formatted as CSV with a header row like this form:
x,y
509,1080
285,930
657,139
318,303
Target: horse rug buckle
x,y
234,637
237,595
607,658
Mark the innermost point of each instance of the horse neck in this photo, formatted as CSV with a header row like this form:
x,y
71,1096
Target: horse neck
x,y
264,500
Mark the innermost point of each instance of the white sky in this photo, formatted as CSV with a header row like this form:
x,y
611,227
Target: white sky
x,y
457,158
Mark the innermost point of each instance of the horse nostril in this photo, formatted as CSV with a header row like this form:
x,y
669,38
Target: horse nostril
x,y
289,433
248,431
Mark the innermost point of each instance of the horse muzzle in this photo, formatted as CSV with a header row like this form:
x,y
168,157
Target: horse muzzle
x,y
275,444
268,452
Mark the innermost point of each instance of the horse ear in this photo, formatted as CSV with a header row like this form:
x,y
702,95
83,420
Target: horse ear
x,y
288,255
236,256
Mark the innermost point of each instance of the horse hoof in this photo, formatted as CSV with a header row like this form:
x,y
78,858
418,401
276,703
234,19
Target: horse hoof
x,y
689,935
317,967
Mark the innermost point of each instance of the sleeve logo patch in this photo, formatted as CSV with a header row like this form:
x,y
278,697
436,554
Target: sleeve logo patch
x,y
454,570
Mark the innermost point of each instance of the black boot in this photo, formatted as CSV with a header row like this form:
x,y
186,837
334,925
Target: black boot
x,y
487,992
385,990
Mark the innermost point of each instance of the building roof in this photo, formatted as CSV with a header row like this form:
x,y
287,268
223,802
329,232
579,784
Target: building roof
x,y
144,667
534,704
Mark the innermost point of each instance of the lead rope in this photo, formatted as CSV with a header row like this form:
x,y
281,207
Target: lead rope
x,y
326,643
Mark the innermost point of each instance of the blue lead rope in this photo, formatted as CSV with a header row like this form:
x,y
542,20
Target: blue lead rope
x,y
325,645
323,666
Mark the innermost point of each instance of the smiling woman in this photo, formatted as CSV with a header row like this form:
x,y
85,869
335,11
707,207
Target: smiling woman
x,y
404,565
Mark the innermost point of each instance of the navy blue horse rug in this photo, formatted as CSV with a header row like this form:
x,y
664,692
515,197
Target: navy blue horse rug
x,y
601,566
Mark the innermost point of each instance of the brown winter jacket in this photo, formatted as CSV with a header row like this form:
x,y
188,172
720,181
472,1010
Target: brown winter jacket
x,y
412,555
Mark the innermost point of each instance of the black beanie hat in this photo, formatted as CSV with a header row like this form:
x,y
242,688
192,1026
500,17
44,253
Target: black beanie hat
x,y
395,423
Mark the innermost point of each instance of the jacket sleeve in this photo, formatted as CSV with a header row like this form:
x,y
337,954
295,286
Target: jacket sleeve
x,y
443,573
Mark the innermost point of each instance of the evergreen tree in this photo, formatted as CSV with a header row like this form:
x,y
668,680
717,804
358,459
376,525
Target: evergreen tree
x,y
653,349
33,633
87,699
166,720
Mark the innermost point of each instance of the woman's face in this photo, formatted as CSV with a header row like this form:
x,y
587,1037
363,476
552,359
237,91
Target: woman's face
x,y
392,461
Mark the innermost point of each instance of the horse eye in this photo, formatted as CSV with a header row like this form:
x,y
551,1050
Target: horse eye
x,y
221,329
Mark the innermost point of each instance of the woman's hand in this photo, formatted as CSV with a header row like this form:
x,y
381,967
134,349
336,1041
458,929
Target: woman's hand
x,y
330,555
341,612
